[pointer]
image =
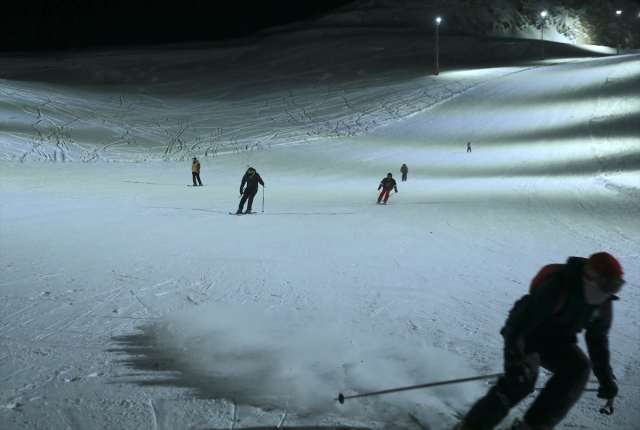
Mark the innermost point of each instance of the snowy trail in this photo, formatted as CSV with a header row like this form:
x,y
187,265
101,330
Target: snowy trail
x,y
132,300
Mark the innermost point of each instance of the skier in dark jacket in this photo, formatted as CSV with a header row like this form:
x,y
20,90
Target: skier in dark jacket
x,y
387,184
251,178
404,170
541,331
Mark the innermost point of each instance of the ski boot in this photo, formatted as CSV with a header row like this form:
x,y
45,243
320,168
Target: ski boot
x,y
248,211
239,212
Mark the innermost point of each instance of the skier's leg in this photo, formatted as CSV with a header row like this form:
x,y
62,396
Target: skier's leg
x,y
252,194
380,196
244,198
571,369
489,411
193,176
198,176
386,195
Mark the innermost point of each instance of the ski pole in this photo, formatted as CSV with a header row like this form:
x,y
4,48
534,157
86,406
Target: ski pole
x,y
341,398
263,198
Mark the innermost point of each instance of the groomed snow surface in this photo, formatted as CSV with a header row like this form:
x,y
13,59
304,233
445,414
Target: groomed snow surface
x,y
132,301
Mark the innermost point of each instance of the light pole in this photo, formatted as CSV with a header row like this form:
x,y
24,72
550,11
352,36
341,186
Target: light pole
x,y
618,14
543,14
437,64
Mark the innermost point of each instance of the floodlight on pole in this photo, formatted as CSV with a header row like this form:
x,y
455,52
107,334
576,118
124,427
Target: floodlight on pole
x,y
437,60
543,14
618,13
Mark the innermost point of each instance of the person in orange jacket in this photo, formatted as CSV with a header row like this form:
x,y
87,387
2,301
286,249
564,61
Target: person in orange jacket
x,y
195,172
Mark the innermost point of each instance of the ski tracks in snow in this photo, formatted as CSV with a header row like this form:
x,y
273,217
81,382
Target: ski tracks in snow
x,y
113,125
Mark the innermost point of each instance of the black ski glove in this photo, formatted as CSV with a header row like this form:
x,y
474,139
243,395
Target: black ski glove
x,y
520,376
241,191
608,391
520,368
379,188
396,190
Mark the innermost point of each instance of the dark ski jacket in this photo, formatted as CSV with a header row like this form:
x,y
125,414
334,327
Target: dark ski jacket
x,y
554,312
252,181
388,184
404,169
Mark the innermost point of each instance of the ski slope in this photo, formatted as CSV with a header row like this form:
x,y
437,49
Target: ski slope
x,y
133,301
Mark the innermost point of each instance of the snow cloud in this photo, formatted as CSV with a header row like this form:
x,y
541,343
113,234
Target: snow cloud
x,y
303,363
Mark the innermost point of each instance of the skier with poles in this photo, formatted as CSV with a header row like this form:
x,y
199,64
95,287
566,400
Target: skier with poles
x,y
387,184
404,170
541,330
251,178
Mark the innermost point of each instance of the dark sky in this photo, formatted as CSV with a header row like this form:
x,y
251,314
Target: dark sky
x,y
44,25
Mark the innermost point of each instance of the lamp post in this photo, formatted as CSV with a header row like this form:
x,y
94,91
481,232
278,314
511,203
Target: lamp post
x,y
618,14
543,14
437,64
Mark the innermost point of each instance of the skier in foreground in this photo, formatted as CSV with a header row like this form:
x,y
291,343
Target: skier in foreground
x,y
251,178
387,184
541,331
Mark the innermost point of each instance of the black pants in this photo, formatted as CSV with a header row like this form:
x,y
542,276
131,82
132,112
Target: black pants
x,y
571,369
248,194
404,176
196,175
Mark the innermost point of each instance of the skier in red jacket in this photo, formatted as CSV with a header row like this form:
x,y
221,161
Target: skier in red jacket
x,y
541,331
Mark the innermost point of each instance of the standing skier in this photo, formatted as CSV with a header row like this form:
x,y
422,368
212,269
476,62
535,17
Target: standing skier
x,y
404,170
251,178
387,184
195,172
469,147
541,330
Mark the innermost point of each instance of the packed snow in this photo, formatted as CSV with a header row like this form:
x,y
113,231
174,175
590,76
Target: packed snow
x,y
133,301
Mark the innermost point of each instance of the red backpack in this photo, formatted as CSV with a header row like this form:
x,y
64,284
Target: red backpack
x,y
545,272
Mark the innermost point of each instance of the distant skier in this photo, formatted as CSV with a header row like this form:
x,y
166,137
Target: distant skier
x,y
468,147
251,178
195,172
404,170
541,330
387,184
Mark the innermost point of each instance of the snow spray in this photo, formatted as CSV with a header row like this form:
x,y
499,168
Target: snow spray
x,y
300,362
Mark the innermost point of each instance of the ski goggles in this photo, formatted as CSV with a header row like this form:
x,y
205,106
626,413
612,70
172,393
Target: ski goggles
x,y
606,283
251,172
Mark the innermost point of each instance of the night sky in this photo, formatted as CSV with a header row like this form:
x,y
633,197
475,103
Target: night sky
x,y
45,25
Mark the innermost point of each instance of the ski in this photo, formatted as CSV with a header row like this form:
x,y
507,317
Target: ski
x,y
252,213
